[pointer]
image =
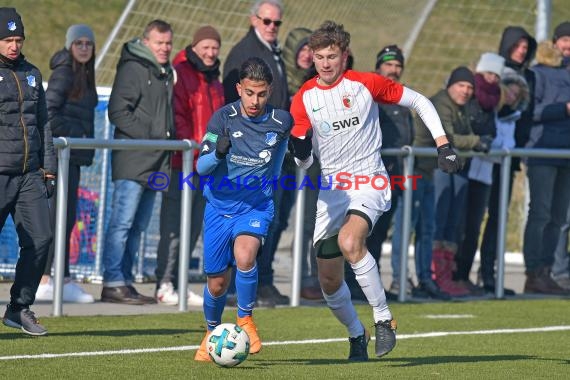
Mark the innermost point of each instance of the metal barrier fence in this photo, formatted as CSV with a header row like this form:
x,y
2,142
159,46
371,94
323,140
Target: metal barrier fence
x,y
408,153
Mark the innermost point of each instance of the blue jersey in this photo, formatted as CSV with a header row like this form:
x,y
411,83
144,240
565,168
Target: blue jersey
x,y
245,180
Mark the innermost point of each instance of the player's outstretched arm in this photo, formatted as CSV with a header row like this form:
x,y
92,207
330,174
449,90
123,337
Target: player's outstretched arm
x,y
447,160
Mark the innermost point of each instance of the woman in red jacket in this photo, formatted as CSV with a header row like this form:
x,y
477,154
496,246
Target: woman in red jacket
x,y
197,94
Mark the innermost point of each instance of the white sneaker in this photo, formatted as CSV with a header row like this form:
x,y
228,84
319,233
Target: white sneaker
x,y
167,295
45,292
75,293
194,299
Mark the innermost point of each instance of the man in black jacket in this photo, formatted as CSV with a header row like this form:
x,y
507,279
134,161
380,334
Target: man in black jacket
x,y
27,159
140,108
261,41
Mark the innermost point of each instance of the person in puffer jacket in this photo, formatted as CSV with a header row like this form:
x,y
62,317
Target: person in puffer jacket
x,y
548,178
27,160
71,99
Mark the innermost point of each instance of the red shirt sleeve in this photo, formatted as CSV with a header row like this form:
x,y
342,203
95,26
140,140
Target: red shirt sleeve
x,y
300,118
383,90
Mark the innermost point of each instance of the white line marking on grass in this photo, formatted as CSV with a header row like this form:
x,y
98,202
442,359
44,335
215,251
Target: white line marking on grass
x,y
448,316
283,343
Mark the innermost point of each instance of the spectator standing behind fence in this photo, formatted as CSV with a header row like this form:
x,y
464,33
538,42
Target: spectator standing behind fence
x,y
481,110
451,189
548,178
518,47
140,107
198,93
27,169
245,139
515,99
561,266
71,99
261,41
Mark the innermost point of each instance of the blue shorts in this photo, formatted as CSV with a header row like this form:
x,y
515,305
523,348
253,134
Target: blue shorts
x,y
220,232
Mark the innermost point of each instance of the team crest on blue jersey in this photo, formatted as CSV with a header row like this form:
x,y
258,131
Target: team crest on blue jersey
x,y
11,25
31,80
271,138
254,223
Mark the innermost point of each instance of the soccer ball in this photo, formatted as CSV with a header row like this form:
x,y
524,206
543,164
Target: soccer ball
x,y
228,345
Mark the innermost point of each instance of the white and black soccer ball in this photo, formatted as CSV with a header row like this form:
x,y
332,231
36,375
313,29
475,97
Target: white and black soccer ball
x,y
228,345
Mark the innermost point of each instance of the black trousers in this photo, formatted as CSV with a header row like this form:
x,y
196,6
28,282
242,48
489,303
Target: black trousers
x,y
24,197
477,200
72,186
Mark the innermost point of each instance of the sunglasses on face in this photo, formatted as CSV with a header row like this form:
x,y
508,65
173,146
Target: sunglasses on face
x,y
268,21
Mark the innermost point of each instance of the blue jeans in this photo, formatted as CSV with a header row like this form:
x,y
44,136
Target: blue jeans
x,y
549,200
130,216
423,210
450,199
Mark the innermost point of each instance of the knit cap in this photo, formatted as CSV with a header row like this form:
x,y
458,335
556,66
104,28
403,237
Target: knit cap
x,y
461,74
492,63
75,32
561,30
389,53
10,23
205,33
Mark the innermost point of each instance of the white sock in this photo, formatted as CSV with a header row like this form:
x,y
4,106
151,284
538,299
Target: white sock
x,y
341,306
368,277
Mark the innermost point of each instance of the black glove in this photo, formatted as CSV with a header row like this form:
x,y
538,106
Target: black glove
x,y
301,148
50,186
484,144
223,145
448,160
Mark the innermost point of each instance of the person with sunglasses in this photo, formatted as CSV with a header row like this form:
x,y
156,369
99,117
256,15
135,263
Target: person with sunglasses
x,y
261,41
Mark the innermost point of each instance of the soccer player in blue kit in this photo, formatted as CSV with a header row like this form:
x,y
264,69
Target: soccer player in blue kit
x,y
241,153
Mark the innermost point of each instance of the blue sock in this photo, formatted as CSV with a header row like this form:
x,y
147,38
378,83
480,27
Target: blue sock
x,y
213,308
246,288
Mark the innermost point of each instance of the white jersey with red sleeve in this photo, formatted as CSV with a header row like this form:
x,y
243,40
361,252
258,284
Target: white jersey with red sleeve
x,y
344,117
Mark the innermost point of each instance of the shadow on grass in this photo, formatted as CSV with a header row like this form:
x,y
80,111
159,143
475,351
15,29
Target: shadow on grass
x,y
109,333
407,362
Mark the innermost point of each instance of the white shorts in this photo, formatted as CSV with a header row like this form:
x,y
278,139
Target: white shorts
x,y
333,206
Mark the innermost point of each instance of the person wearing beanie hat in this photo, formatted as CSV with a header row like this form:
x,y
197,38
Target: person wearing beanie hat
x,y
482,109
11,24
389,53
461,74
451,104
71,98
561,41
76,32
397,128
27,169
197,94
206,33
491,63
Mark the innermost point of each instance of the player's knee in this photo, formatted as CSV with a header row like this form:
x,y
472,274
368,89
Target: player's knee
x,y
329,283
350,244
217,286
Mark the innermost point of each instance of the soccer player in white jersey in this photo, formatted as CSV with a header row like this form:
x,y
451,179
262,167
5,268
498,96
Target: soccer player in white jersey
x,y
336,118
